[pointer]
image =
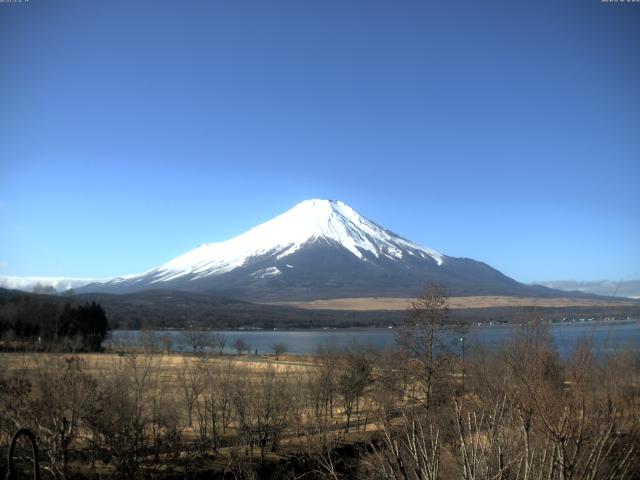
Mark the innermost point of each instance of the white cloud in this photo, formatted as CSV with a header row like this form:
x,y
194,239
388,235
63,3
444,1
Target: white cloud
x,y
59,283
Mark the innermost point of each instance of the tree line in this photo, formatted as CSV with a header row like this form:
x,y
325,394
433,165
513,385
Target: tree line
x,y
44,322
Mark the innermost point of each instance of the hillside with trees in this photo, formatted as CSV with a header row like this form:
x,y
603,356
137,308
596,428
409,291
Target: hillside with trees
x,y
43,321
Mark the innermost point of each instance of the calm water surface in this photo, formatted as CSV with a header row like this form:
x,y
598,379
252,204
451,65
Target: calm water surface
x,y
606,337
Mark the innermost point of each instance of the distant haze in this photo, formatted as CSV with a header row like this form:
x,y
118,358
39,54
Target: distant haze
x,y
59,283
626,288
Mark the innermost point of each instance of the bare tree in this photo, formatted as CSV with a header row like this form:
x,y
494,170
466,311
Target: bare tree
x,y
322,382
409,450
193,337
121,415
241,346
224,391
322,447
262,410
213,342
149,341
279,349
167,342
165,425
425,338
190,381
51,402
218,341
354,376
552,419
213,405
392,381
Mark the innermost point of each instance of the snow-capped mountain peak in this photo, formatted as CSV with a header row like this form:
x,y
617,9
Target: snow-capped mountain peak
x,y
310,221
317,249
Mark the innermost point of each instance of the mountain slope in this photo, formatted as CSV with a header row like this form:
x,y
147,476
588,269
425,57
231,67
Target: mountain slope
x,y
319,249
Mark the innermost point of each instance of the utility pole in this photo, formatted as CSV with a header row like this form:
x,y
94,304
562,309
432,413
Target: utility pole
x,y
462,343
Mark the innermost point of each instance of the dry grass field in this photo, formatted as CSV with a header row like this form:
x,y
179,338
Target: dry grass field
x,y
390,303
257,389
356,414
101,364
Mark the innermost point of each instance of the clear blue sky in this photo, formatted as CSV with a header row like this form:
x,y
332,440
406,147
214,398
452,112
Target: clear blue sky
x,y
509,132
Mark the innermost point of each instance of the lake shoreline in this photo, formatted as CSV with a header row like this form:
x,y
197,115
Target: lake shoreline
x,y
373,327
605,335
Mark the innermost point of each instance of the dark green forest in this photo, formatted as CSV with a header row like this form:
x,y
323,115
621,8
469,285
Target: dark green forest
x,y
45,320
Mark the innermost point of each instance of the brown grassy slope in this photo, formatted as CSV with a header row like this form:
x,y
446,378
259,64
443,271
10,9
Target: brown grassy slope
x,y
389,303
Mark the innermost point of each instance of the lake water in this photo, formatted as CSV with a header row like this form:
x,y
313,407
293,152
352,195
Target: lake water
x,y
605,336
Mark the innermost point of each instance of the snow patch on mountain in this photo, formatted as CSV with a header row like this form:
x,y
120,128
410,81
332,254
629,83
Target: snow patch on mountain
x,y
266,272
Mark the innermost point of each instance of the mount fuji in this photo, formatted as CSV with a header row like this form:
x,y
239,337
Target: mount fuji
x,y
319,249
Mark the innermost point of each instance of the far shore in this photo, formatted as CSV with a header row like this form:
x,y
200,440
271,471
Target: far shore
x,y
489,301
483,324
